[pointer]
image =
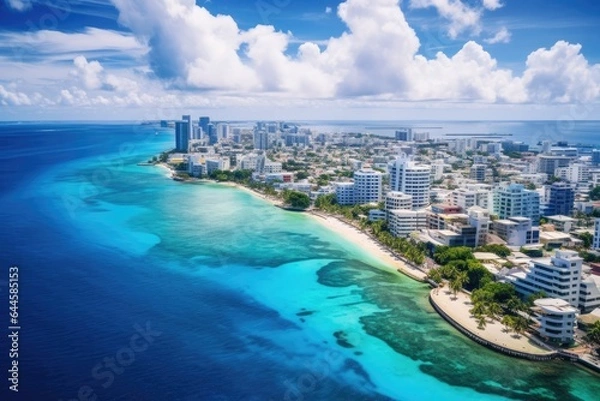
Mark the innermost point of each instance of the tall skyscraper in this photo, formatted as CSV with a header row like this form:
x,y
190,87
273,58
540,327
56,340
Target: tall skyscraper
x,y
261,140
412,179
189,126
182,136
203,123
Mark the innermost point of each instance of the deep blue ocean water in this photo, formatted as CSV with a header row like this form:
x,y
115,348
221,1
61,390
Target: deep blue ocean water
x,y
136,287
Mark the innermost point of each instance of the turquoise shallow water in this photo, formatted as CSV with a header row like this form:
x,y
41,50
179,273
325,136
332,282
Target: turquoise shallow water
x,y
255,303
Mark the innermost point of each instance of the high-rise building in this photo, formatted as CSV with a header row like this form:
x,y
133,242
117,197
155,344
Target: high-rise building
x,y
560,198
189,126
404,134
412,179
367,186
596,157
203,123
397,200
261,140
222,131
182,136
513,200
344,193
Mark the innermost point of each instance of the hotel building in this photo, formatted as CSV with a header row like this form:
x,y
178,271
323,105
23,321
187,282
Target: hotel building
x,y
412,179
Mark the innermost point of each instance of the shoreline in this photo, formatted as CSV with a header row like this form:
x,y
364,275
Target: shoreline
x,y
387,260
455,312
493,335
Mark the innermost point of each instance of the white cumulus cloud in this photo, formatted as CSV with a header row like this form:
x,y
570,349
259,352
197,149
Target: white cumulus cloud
x,y
461,16
492,4
502,36
561,74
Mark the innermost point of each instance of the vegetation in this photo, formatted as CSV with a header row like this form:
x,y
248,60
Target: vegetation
x,y
595,193
295,199
500,250
593,333
239,176
587,239
407,248
589,257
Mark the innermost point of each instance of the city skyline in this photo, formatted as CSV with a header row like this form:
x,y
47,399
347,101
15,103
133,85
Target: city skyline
x,y
384,59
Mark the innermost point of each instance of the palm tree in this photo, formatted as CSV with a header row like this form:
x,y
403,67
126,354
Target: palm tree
x,y
508,322
493,310
520,325
478,309
457,283
593,333
481,323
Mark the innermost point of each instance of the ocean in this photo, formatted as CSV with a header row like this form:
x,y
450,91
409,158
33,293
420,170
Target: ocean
x,y
564,128
136,287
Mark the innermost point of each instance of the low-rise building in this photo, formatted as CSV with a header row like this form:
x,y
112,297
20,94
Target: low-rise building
x,y
562,223
516,231
556,318
403,222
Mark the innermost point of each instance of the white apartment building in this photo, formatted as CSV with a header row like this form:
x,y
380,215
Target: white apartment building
x,y
395,200
252,162
512,200
472,196
589,292
412,179
222,163
403,222
574,173
344,193
557,319
368,186
272,167
437,170
558,276
517,231
480,219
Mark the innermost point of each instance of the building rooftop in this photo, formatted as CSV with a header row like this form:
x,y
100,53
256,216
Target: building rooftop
x,y
561,218
555,305
486,256
554,235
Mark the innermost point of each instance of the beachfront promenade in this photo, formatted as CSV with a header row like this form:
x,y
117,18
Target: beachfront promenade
x,y
494,334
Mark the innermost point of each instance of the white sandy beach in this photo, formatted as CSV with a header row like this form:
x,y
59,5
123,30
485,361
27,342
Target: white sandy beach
x,y
458,310
367,243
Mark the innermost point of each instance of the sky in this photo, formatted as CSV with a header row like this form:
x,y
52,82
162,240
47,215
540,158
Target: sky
x,y
300,59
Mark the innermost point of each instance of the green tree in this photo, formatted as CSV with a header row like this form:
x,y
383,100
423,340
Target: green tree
x,y
587,239
481,322
296,199
593,333
494,310
507,322
301,175
595,193
458,282
520,325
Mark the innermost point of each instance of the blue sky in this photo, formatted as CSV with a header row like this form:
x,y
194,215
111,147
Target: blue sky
x,y
259,59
